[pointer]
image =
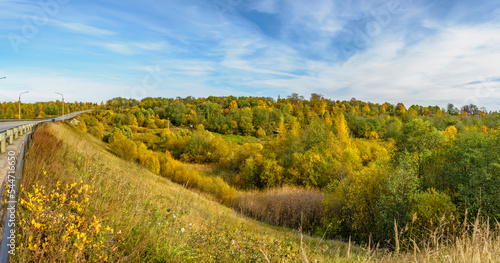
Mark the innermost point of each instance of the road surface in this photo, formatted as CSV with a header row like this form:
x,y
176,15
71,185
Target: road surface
x,y
13,124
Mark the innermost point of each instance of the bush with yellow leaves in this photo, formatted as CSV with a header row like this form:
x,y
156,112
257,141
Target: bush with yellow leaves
x,y
53,225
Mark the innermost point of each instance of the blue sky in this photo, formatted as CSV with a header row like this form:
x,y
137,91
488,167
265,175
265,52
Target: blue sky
x,y
411,51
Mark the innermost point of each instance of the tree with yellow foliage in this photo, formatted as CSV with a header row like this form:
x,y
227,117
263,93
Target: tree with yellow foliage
x,y
450,132
366,108
122,146
148,158
342,130
233,105
401,108
82,125
260,133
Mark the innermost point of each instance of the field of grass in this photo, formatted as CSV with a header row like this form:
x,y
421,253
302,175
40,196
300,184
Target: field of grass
x,y
81,203
239,139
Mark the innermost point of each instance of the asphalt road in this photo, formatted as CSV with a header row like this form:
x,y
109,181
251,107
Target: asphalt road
x,y
9,125
12,124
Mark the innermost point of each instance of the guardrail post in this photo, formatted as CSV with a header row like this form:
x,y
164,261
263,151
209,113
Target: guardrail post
x,y
10,136
15,131
3,140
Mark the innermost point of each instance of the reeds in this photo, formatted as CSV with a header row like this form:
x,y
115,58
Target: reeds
x,y
282,206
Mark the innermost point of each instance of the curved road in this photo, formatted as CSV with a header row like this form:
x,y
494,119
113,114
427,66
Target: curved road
x,y
9,124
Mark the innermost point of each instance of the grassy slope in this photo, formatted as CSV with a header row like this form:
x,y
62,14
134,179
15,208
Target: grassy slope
x,y
81,203
148,217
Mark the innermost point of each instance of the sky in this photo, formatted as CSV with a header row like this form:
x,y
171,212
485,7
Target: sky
x,y
423,52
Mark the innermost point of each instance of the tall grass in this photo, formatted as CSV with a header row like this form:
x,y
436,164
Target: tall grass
x,y
287,206
471,241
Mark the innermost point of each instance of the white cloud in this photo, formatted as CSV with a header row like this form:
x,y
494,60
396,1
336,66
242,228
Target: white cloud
x,y
132,48
435,70
430,72
85,29
416,58
185,67
120,48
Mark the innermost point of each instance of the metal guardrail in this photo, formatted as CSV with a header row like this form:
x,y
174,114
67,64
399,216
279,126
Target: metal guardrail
x,y
14,183
68,115
8,136
16,120
8,237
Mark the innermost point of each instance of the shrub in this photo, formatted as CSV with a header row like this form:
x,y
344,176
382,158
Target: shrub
x,y
54,225
126,131
430,207
373,135
260,133
96,132
148,159
397,197
82,125
123,147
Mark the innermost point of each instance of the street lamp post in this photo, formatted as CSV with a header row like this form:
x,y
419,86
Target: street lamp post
x,y
20,103
62,104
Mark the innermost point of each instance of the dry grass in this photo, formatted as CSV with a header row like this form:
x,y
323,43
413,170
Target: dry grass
x,y
287,206
206,168
472,241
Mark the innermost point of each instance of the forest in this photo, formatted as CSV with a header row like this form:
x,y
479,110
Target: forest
x,y
341,169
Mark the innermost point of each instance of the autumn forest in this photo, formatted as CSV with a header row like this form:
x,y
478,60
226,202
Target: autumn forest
x,y
343,169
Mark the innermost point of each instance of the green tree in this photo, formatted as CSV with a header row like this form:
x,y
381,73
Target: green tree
x,y
429,208
271,174
362,195
176,112
420,139
398,197
245,122
467,169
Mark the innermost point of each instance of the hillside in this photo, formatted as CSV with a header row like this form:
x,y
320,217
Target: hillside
x,y
354,167
81,203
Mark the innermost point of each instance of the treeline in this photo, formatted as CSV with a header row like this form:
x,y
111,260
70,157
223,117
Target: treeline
x,y
375,165
10,110
258,116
